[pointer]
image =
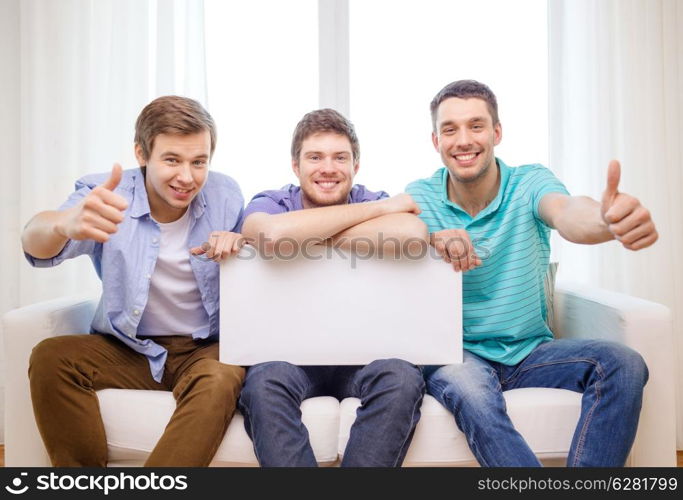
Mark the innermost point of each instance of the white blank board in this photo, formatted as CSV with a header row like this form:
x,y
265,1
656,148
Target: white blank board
x,y
334,308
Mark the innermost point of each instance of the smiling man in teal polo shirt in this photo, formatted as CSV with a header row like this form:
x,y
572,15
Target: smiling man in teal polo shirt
x,y
493,223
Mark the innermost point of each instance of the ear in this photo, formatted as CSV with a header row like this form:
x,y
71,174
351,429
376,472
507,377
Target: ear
x,y
356,166
435,141
140,156
498,133
295,168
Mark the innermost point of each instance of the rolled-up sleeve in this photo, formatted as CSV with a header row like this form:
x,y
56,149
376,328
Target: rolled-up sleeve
x,y
261,203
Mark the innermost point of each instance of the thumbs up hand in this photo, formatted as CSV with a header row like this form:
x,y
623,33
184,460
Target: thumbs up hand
x,y
627,220
98,214
114,179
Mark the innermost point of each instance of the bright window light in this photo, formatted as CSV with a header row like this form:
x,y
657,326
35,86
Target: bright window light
x,y
403,52
262,77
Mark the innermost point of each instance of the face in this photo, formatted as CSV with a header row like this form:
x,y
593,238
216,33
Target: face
x,y
176,171
465,137
325,169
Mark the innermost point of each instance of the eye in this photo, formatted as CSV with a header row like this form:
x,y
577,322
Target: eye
x,y
314,157
448,131
341,158
477,127
171,161
199,163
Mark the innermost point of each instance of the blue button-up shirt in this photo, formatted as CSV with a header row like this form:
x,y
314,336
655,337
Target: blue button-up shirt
x,y
125,262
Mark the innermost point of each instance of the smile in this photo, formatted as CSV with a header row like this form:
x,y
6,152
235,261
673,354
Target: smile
x,y
327,184
466,156
179,190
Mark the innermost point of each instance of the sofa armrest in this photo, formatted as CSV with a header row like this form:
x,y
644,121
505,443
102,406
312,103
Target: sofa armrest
x,y
589,312
22,329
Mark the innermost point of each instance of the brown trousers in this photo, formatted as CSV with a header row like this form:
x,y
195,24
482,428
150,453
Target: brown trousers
x,y
66,371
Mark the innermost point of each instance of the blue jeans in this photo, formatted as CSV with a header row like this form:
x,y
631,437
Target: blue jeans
x,y
390,391
610,376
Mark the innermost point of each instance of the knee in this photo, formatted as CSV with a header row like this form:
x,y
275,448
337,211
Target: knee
x,y
634,365
458,385
211,385
220,378
633,369
624,364
401,376
47,357
265,379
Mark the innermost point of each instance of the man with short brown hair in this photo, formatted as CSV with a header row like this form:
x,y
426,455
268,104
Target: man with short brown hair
x,y
328,207
156,325
492,222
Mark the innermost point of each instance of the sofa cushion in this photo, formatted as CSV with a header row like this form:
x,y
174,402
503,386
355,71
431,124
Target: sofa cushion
x,y
545,417
135,420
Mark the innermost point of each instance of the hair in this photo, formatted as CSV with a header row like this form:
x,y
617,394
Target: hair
x,y
324,120
172,115
466,89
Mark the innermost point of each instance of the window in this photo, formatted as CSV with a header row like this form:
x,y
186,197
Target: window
x,y
403,52
262,77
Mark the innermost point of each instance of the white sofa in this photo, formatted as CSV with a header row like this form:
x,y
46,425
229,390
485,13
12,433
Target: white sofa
x,y
134,420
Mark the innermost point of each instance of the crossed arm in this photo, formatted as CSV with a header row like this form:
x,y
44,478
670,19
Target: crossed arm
x,y
383,226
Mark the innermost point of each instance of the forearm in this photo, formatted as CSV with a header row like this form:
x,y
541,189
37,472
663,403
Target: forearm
x,y
42,237
393,234
580,221
315,223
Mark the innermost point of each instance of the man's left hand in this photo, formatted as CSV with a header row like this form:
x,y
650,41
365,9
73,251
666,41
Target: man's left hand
x,y
221,245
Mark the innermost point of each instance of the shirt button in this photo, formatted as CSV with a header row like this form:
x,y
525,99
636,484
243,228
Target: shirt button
x,y
149,276
155,240
136,312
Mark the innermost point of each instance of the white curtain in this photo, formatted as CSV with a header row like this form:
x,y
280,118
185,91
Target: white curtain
x,y
78,73
616,91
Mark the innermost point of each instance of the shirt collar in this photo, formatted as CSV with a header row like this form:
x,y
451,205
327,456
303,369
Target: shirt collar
x,y
140,202
493,205
298,198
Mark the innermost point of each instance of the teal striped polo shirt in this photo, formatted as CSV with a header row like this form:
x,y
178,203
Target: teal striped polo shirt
x,y
504,307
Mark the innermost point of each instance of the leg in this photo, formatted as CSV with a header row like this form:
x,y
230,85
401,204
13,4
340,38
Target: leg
x,y
206,392
271,406
391,393
472,392
64,374
610,376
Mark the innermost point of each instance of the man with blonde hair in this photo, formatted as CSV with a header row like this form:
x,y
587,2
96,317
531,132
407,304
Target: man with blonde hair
x,y
156,325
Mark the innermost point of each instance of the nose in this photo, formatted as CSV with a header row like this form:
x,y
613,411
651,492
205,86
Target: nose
x,y
463,139
327,166
184,175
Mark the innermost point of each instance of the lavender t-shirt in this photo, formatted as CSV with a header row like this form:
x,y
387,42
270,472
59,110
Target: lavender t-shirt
x,y
288,199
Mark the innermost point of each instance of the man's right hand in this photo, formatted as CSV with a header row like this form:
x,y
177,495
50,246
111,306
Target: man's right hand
x,y
455,247
98,214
